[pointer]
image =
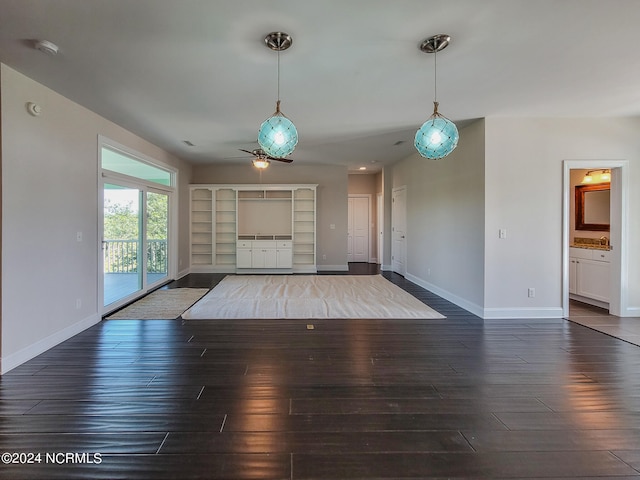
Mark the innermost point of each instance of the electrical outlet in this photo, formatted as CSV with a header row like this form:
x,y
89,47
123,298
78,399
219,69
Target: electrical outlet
x,y
502,233
324,257
78,303
531,292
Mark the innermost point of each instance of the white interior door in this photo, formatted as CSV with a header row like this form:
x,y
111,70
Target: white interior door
x,y
399,230
380,228
359,226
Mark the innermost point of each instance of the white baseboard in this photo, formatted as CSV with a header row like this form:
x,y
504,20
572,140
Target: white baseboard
x,y
18,358
459,301
385,268
489,313
334,268
521,313
183,273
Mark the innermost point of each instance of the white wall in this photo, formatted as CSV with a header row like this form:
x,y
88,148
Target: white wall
x,y
49,193
331,197
524,195
445,219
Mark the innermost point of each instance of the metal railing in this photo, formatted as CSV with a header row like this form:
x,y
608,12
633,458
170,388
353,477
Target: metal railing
x,y
121,256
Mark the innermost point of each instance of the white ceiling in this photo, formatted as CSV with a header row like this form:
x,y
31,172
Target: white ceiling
x,y
354,82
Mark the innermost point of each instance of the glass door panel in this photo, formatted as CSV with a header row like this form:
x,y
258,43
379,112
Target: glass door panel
x,y
122,242
157,234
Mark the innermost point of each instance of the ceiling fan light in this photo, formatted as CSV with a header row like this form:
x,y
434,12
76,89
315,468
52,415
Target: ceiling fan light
x,y
437,137
278,136
260,163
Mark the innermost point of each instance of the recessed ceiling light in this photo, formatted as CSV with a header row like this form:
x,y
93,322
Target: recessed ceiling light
x,y
362,168
45,46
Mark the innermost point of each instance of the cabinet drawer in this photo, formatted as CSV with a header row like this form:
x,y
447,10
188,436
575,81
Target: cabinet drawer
x,y
580,253
284,244
243,244
602,255
264,244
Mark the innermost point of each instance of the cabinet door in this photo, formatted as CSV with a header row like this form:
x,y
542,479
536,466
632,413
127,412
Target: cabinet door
x,y
593,279
270,258
243,258
284,258
572,275
258,258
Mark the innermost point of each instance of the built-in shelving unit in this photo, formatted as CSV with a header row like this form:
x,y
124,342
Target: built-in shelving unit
x,y
304,228
224,216
225,219
201,226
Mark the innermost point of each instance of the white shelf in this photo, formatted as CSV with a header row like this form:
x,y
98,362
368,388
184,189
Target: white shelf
x,y
223,214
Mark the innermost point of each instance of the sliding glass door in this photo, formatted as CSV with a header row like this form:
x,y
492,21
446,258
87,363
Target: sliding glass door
x,y
122,242
157,237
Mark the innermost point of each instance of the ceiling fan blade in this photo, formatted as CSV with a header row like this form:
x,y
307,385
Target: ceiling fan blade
x,y
285,160
248,151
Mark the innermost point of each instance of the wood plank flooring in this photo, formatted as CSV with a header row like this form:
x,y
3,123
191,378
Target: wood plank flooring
x,y
351,399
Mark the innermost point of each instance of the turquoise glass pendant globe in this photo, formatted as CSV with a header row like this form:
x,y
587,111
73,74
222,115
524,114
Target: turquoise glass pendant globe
x,y
437,137
278,136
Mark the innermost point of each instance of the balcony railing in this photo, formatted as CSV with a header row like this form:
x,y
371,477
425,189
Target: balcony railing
x,y
121,256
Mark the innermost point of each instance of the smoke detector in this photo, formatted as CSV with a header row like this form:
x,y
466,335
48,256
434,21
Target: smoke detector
x,y
45,46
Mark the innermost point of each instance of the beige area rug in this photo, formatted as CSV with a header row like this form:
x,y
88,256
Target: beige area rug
x,y
165,304
308,296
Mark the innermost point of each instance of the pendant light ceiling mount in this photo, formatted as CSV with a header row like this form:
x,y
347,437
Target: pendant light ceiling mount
x,y
278,41
438,136
278,136
436,43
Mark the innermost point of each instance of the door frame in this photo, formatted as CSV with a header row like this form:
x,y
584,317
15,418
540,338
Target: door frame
x,y
108,176
618,234
393,217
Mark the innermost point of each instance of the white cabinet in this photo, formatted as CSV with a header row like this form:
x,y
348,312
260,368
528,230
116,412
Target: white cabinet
x,y
264,254
589,273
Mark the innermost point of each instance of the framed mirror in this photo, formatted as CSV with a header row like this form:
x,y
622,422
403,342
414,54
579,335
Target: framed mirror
x,y
593,207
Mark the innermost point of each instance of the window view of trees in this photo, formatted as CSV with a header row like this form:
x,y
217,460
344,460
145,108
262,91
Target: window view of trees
x,y
122,226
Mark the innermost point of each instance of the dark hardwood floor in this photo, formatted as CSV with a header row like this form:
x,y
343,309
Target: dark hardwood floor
x,y
349,399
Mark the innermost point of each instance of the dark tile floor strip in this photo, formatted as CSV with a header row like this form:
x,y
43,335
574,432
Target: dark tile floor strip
x,y
352,399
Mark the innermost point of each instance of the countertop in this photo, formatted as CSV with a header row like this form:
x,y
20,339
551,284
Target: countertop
x,y
590,246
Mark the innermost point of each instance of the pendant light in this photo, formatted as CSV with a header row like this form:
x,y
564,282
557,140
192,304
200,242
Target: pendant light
x,y
438,136
278,136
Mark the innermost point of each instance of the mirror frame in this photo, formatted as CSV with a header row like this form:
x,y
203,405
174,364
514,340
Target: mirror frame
x,y
580,191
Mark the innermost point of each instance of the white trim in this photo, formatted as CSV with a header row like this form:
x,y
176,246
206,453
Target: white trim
x,y
459,301
21,356
520,313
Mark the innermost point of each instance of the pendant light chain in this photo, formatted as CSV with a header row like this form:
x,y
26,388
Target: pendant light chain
x,y
278,76
435,75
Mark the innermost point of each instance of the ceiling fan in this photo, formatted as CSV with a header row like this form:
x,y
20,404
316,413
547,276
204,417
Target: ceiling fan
x,y
262,159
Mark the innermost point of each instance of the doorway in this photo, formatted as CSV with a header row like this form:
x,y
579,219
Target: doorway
x,y
618,304
399,230
135,211
358,228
